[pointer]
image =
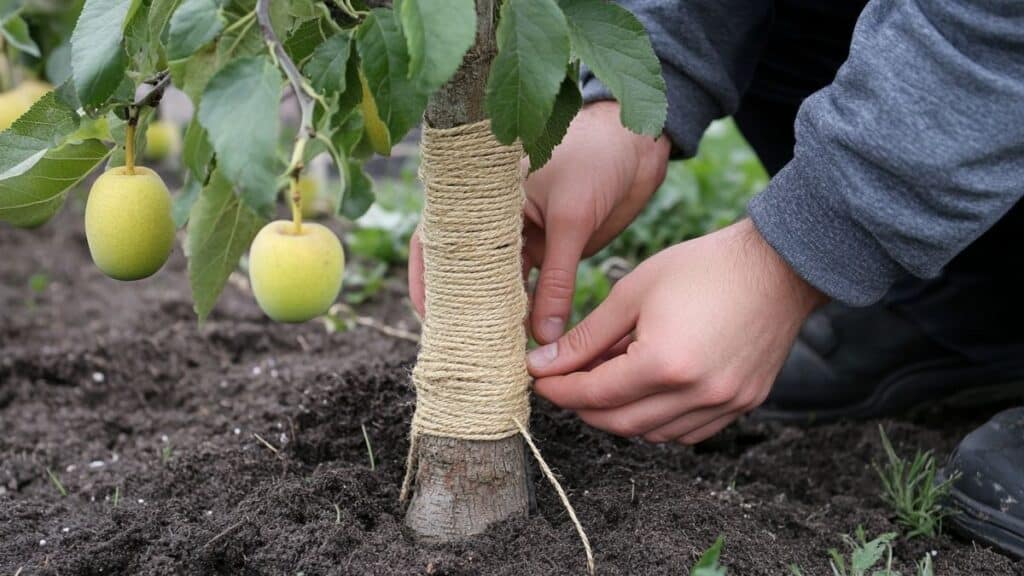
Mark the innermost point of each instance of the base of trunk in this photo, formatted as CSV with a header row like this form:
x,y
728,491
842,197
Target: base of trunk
x,y
464,486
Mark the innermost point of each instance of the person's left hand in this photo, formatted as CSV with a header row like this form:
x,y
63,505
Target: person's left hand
x,y
684,344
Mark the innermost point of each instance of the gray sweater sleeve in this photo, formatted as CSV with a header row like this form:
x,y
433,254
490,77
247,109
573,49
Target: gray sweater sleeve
x,y
708,50
913,152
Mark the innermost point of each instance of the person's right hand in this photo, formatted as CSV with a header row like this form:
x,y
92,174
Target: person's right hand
x,y
597,181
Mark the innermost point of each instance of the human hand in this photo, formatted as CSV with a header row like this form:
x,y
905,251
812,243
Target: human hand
x,y
684,344
595,184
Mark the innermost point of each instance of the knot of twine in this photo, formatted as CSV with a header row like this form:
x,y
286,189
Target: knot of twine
x,y
470,377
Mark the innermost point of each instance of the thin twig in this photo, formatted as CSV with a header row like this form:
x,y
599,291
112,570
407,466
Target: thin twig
x,y
268,445
387,330
225,532
337,514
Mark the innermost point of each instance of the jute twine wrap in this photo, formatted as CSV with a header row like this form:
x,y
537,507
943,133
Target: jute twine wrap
x,y
470,377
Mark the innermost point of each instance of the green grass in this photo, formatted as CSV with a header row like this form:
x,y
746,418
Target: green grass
x,y
57,483
910,489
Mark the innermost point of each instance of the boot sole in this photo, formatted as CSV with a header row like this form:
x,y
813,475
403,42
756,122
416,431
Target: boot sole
x,y
984,524
938,383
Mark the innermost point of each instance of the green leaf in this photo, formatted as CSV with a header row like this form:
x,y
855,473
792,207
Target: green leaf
x,y
97,57
306,37
197,151
44,126
220,229
385,63
239,111
567,104
32,198
192,74
15,30
185,200
194,24
438,34
133,9
326,68
359,193
610,40
708,563
533,50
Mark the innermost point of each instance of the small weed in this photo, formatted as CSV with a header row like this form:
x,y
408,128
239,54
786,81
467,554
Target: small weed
x,y
865,556
165,454
924,567
38,283
910,489
117,496
708,563
369,448
57,483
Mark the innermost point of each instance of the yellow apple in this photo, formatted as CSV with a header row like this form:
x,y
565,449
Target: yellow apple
x,y
128,223
295,276
16,102
162,140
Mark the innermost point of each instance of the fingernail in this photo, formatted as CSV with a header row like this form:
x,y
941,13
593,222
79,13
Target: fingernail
x,y
542,356
551,328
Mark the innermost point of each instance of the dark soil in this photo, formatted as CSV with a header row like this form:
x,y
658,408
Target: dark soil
x,y
150,423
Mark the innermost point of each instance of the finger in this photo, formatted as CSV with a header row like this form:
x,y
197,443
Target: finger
x,y
642,416
619,381
708,430
686,423
417,291
564,242
612,320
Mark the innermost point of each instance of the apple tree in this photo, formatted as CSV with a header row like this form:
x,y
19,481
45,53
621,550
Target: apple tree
x,y
363,73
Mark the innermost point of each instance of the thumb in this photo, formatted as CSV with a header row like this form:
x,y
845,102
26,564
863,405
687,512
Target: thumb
x,y
605,327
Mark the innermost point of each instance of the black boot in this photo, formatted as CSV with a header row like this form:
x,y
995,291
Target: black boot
x,y
874,361
987,494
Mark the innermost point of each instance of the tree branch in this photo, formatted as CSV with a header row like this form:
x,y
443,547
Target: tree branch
x,y
152,98
303,94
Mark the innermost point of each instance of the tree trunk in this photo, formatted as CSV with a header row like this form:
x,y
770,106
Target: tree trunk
x,y
464,486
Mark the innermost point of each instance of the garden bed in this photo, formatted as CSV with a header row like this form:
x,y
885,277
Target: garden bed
x,y
238,448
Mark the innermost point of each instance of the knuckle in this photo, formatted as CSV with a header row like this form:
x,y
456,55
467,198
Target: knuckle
x,y
556,282
579,338
721,393
674,371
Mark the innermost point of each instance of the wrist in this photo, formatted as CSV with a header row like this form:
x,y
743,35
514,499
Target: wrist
x,y
779,277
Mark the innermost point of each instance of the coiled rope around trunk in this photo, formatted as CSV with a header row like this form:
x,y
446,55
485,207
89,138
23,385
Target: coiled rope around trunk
x,y
470,377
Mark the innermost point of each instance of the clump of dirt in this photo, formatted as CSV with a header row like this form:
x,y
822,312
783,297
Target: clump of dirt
x,y
237,448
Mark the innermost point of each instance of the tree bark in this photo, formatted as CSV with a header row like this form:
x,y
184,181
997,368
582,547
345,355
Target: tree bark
x,y
464,486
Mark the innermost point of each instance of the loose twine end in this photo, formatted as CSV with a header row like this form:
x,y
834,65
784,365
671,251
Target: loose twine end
x,y
591,566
